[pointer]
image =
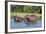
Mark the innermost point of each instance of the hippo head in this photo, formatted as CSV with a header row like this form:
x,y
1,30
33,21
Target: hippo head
x,y
18,19
31,18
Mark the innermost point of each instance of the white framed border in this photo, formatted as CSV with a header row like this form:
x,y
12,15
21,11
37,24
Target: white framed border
x,y
29,29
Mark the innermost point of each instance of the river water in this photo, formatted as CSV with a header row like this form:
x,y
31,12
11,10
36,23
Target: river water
x,y
21,25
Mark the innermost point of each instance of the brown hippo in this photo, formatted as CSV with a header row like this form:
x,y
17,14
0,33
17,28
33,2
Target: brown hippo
x,y
17,19
31,18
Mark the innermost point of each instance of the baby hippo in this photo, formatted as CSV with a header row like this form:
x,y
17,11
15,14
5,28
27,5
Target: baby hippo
x,y
17,19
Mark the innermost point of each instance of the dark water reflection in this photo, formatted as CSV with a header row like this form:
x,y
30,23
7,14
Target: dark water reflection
x,y
15,25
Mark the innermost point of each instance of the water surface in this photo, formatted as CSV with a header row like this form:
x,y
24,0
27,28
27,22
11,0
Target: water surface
x,y
16,25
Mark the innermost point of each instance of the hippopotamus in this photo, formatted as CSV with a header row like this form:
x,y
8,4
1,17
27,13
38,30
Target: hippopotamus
x,y
31,18
17,19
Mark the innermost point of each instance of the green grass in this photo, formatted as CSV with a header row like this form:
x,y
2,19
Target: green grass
x,y
23,14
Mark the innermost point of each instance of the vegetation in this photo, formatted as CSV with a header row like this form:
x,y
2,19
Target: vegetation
x,y
22,10
26,9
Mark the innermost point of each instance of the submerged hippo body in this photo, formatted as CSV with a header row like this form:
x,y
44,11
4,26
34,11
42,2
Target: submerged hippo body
x,y
31,18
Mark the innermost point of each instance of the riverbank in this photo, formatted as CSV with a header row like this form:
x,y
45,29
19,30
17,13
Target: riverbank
x,y
23,14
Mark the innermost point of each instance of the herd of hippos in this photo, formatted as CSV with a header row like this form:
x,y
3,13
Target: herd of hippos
x,y
28,18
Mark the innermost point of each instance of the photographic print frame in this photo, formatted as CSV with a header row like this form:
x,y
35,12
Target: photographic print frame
x,y
7,12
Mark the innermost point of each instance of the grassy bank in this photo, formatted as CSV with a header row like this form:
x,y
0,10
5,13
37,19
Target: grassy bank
x,y
23,14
